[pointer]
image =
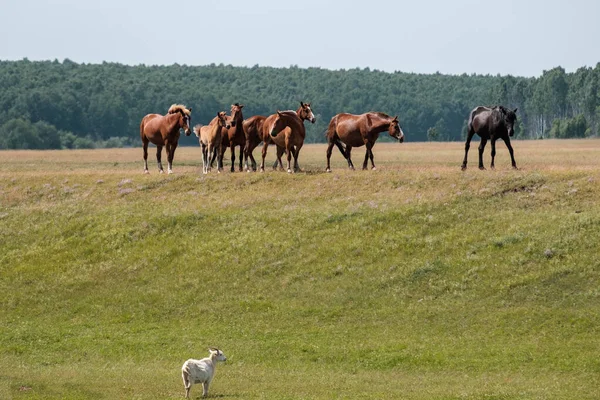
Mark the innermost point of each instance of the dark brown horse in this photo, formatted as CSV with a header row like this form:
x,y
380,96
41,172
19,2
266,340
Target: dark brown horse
x,y
254,134
491,123
273,131
163,130
233,136
360,130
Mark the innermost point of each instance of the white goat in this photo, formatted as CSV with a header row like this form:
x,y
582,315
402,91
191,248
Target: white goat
x,y
201,371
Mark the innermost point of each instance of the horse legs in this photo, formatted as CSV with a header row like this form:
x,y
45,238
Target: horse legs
x,y
145,147
296,153
368,154
241,166
493,144
247,153
232,148
212,154
170,156
371,155
467,146
511,152
481,148
251,156
348,157
204,158
289,150
329,150
264,154
280,151
220,155
158,158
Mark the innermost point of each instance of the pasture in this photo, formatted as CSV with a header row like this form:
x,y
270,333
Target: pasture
x,y
415,281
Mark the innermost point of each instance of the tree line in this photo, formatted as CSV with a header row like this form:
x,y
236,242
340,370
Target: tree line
x,y
52,104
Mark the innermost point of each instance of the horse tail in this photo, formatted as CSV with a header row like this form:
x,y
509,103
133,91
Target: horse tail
x,y
197,130
185,375
330,132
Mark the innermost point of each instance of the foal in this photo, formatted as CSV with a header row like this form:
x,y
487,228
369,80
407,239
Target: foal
x,y
210,140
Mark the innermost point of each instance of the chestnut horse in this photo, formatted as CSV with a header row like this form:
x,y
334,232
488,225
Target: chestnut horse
x,y
273,131
360,130
254,135
163,130
209,137
491,123
233,136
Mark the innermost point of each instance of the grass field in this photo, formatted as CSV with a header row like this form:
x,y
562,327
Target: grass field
x,y
414,281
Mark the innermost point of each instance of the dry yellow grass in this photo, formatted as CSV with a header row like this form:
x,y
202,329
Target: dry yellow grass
x,y
440,156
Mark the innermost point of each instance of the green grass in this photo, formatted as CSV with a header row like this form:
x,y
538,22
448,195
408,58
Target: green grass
x,y
415,281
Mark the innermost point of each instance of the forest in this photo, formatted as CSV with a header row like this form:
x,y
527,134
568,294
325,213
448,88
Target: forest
x,y
54,104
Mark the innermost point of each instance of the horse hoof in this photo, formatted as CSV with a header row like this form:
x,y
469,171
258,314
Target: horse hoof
x,y
463,168
146,171
161,172
328,170
373,169
482,168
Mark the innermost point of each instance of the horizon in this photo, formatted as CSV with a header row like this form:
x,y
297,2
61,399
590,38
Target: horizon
x,y
62,61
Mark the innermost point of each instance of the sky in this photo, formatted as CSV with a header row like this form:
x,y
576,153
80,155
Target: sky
x,y
520,38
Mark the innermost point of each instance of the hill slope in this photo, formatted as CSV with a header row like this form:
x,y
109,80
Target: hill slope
x,y
415,281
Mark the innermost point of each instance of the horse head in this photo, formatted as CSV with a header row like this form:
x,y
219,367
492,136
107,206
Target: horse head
x,y
395,130
305,112
185,117
278,124
222,120
187,123
236,113
509,117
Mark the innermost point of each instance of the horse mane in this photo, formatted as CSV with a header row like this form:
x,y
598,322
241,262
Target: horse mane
x,y
380,114
507,113
175,108
289,112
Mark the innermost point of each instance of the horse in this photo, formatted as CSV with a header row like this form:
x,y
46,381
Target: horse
x,y
163,130
209,137
305,113
254,134
358,130
233,136
273,131
491,123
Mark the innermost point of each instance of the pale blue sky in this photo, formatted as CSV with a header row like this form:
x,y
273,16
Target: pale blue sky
x,y
424,36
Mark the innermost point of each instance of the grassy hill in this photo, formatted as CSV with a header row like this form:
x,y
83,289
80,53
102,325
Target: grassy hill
x,y
415,281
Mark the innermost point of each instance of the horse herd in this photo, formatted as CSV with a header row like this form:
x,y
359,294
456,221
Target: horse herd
x,y
285,130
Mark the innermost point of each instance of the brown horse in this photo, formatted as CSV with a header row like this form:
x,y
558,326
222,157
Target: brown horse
x,y
254,134
360,130
491,123
209,137
305,113
233,136
163,130
273,131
